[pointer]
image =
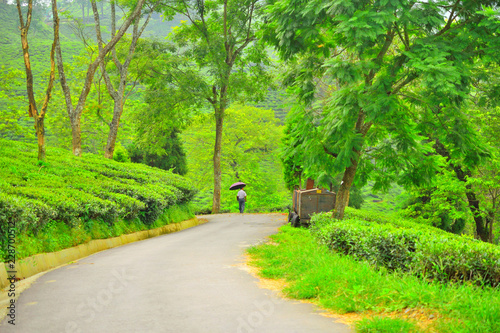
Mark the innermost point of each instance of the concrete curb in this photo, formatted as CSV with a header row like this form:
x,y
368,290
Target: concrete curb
x,y
39,263
3,276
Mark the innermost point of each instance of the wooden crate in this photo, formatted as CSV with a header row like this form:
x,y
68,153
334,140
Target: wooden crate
x,y
307,202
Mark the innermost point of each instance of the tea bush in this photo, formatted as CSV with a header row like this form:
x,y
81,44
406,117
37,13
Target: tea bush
x,y
402,245
75,190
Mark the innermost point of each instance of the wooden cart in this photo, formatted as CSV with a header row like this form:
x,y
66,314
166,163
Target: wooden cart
x,y
307,202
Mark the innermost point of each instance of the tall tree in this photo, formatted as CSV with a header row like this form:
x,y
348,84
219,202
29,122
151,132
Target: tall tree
x,y
217,60
118,94
37,114
250,155
374,51
75,111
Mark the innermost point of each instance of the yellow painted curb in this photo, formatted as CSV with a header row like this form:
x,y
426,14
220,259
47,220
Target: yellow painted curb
x,y
3,276
45,261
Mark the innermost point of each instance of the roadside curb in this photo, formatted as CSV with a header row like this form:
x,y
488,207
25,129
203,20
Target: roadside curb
x,y
38,264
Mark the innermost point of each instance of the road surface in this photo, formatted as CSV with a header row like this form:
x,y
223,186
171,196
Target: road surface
x,y
185,282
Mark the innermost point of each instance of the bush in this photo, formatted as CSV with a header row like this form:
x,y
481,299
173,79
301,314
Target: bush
x,y
402,245
75,190
121,154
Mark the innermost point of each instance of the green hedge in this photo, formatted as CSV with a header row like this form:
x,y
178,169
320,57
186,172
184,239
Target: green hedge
x,y
402,245
79,189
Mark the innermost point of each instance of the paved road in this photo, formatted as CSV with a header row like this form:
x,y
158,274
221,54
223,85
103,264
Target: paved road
x,y
183,282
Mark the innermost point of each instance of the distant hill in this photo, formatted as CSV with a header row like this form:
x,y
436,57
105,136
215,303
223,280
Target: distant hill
x,y
277,101
75,25
40,35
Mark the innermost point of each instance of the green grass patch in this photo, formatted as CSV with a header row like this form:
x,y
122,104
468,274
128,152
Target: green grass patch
x,y
344,284
386,325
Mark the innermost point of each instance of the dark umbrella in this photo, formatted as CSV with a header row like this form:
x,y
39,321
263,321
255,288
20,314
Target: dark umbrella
x,y
237,186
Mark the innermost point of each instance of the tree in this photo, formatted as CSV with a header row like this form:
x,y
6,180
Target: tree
x,y
75,111
374,51
454,137
217,61
250,138
172,155
37,114
484,111
118,94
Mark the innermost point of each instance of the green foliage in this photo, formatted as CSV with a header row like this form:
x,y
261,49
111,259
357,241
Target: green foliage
x,y
392,200
361,69
121,154
172,156
442,207
344,284
292,154
199,68
276,100
397,244
297,160
251,139
75,191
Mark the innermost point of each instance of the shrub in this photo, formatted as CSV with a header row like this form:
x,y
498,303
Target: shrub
x,y
121,154
402,245
75,190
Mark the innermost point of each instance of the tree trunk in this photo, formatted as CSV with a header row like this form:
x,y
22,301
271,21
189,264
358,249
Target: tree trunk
x,y
219,120
113,130
40,134
76,134
33,111
342,197
75,113
482,229
119,97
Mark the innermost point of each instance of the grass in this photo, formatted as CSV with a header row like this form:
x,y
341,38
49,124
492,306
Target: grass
x,y
391,302
387,325
56,236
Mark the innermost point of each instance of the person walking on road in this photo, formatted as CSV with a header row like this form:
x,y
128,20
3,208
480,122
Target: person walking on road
x,y
242,198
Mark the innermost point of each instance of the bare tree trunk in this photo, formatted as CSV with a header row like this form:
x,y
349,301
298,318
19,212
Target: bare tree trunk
x,y
40,134
75,113
76,134
117,95
113,130
219,121
482,229
342,197
37,115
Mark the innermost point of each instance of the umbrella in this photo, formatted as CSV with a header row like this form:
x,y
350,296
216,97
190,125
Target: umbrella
x,y
237,186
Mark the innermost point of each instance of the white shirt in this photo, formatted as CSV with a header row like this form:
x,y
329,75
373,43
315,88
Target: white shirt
x,y
241,194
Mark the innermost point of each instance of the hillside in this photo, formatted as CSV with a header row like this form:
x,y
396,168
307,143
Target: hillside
x,y
81,192
72,30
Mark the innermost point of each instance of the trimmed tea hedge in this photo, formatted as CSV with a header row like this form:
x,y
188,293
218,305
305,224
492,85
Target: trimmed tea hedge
x,y
78,189
402,245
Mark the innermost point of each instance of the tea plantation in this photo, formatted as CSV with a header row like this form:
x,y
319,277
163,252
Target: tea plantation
x,y
82,197
405,246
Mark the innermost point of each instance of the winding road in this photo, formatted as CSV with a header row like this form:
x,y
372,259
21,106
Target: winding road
x,y
190,281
